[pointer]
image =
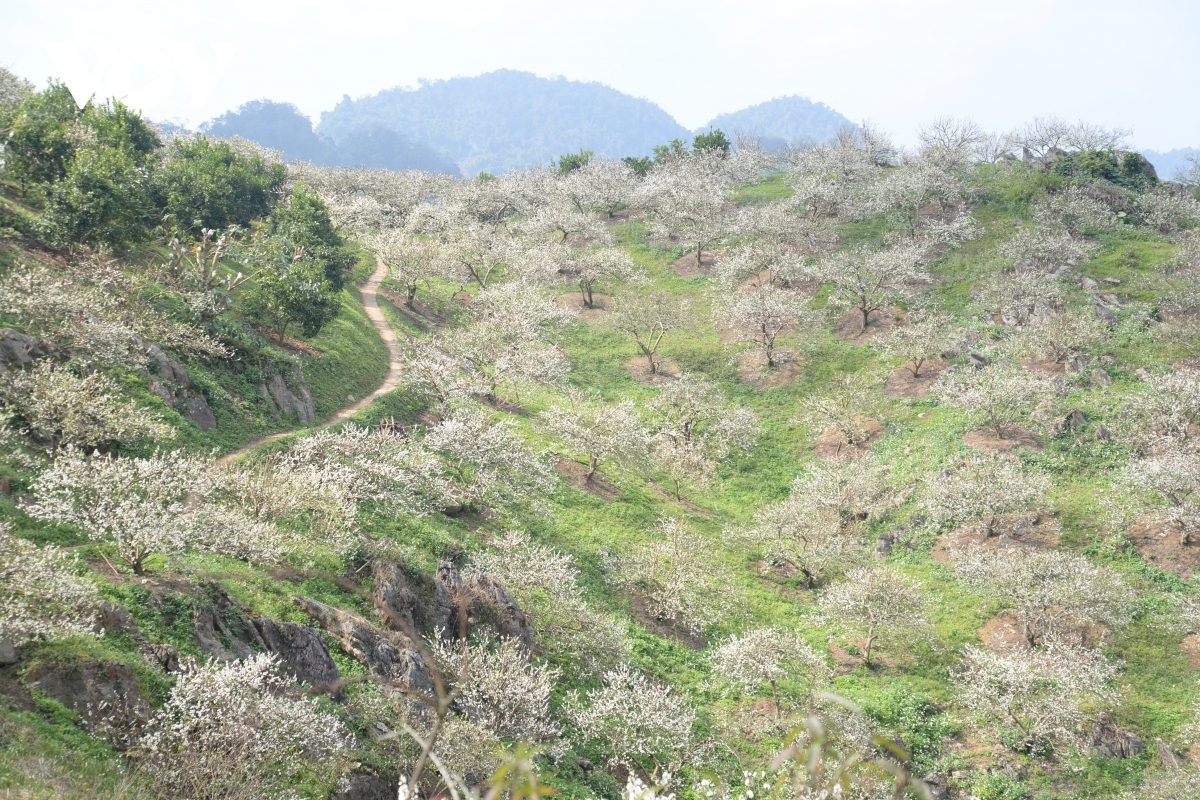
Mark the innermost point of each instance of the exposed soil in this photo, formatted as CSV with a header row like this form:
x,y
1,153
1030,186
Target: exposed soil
x,y
850,328
419,312
618,217
1047,369
985,439
831,446
752,369
1191,648
664,628
901,383
1160,545
573,302
1034,530
1002,633
575,474
686,266
844,661
640,372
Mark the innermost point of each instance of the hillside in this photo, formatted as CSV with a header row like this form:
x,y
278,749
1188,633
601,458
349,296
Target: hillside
x,y
784,120
281,126
739,478
507,119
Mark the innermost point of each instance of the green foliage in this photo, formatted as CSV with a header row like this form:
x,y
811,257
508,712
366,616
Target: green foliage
x,y
291,291
639,164
675,147
1127,169
105,197
569,162
41,143
304,225
999,787
205,183
712,140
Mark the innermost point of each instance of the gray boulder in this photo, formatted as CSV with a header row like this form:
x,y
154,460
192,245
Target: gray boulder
x,y
19,350
8,652
1101,378
298,403
104,694
365,787
1109,741
301,648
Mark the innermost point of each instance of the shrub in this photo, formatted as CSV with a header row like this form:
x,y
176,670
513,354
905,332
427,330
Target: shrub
x,y
205,183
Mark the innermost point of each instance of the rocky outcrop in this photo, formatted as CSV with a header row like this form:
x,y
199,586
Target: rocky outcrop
x,y
1109,741
302,649
172,383
486,603
390,656
291,401
104,694
400,606
364,787
19,350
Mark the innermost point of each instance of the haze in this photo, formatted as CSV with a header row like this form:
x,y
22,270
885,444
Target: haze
x,y
896,62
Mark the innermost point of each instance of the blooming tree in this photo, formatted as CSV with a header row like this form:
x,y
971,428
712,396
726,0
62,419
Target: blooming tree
x,y
602,266
844,410
648,317
41,597
1058,336
599,430
631,717
984,488
237,731
1043,251
676,577
1053,592
411,260
766,656
877,603
870,281
1167,482
999,394
818,529
1074,209
687,198
1165,411
1048,696
928,335
759,315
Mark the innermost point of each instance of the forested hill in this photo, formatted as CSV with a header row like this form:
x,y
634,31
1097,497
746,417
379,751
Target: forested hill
x,y
506,119
784,119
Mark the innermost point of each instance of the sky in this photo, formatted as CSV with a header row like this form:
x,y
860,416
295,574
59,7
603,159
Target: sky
x,y
898,63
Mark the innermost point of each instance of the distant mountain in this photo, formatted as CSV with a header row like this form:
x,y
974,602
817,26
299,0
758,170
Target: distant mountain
x,y
1168,163
507,119
784,119
281,126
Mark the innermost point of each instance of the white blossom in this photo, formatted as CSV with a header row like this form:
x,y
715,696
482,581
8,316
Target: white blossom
x,y
41,597
878,603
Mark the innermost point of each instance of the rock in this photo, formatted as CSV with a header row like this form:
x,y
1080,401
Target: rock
x,y
290,403
395,598
1101,378
115,617
168,369
978,359
1111,300
1110,741
19,350
883,545
8,652
206,638
1088,284
364,787
1103,434
1113,281
1076,419
1064,269
302,649
938,786
1110,319
485,601
391,657
104,694
1076,363
195,408
1167,756
164,656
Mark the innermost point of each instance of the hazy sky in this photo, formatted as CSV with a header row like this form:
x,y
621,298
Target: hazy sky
x,y
896,62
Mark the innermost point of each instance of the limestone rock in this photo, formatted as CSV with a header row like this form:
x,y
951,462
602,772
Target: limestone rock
x,y
104,694
297,403
195,408
391,657
1101,378
19,350
301,648
8,652
1109,318
1110,741
364,787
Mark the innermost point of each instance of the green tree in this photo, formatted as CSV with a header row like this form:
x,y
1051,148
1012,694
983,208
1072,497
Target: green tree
x,y
40,144
204,183
290,289
713,140
569,162
304,225
639,164
675,147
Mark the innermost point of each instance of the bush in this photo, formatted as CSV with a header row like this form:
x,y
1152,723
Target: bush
x,y
713,140
40,145
304,224
104,198
205,183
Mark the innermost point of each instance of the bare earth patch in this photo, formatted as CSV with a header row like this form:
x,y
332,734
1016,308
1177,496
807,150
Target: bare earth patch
x,y
985,439
845,661
830,445
575,474
573,303
618,217
639,370
686,266
1036,530
507,406
850,328
419,312
752,369
1160,545
1003,633
902,383
1191,648
664,628
1047,369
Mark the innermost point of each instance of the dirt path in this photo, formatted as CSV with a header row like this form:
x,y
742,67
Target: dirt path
x,y
370,301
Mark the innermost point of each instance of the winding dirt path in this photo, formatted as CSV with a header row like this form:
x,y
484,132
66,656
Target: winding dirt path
x,y
370,300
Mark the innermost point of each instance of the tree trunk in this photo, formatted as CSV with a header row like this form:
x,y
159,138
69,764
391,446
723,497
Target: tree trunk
x,y
866,312
870,642
412,294
593,463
